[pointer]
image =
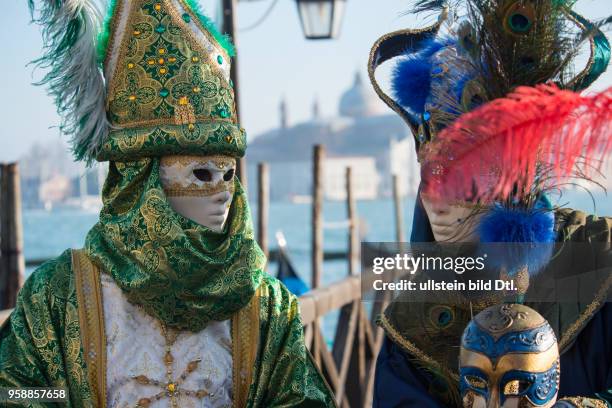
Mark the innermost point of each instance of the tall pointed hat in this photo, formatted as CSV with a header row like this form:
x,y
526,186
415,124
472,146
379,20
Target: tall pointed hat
x,y
152,79
459,63
492,97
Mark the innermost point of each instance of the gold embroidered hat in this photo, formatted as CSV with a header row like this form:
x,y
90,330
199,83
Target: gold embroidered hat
x,y
153,79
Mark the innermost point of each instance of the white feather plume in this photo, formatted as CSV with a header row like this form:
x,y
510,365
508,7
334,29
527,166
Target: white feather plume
x,y
74,78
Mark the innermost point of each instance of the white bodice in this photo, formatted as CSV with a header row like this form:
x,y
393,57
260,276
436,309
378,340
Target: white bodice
x,y
136,346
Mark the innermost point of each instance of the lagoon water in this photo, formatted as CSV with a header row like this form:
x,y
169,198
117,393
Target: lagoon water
x,y
47,234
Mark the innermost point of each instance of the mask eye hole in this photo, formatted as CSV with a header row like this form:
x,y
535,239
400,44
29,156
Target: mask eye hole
x,y
202,174
476,382
516,387
228,175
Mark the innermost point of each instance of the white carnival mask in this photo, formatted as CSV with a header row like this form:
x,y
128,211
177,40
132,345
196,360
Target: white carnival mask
x,y
199,187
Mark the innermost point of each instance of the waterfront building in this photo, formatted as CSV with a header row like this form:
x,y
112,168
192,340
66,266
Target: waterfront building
x,y
374,145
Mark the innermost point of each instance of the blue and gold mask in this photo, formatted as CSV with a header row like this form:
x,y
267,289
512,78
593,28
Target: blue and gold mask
x,y
509,358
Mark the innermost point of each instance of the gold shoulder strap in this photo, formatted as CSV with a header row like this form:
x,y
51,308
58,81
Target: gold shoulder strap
x,y
245,339
91,319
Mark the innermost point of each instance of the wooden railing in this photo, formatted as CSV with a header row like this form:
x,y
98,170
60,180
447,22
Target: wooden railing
x,y
349,363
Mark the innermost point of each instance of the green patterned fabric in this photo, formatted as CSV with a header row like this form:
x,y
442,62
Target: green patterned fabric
x,y
202,139
180,272
285,374
170,91
40,344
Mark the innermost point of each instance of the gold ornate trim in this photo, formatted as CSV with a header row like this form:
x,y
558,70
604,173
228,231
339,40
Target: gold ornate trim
x,y
112,28
204,139
245,341
204,30
570,334
204,119
193,190
91,322
583,402
373,64
219,160
412,349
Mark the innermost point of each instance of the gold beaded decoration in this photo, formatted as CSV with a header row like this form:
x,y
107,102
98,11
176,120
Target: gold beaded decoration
x,y
171,388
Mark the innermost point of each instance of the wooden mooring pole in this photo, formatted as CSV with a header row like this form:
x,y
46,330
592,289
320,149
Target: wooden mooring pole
x,y
317,242
350,364
317,215
349,341
12,264
399,219
229,28
263,206
353,235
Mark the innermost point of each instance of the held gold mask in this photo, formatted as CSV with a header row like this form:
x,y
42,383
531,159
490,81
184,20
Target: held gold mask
x,y
509,358
199,187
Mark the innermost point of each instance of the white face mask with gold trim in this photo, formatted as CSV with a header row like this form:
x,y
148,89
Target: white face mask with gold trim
x,y
199,187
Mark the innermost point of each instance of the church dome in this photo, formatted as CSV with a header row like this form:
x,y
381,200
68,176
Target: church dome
x,y
359,100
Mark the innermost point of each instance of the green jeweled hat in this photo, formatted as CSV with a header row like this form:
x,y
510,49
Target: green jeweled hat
x,y
153,80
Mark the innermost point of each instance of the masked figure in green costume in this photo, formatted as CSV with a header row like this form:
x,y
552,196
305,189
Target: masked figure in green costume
x,y
167,304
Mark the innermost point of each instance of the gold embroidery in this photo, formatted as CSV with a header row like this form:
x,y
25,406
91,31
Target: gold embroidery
x,y
136,99
373,64
194,190
221,161
412,349
113,31
582,402
178,177
245,341
146,142
172,388
91,318
198,23
184,113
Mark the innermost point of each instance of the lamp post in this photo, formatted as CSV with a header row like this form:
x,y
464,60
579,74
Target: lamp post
x,y
321,19
229,27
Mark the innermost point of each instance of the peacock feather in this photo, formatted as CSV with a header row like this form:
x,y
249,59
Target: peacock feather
x,y
528,42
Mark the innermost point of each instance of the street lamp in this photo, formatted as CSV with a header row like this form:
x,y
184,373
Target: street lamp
x,y
321,19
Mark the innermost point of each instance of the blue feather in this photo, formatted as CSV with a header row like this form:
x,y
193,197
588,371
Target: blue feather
x,y
411,77
516,225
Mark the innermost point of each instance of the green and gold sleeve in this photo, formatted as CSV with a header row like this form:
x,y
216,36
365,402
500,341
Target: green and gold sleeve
x,y
285,374
40,342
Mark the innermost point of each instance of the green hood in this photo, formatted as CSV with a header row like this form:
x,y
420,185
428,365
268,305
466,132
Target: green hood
x,y
180,272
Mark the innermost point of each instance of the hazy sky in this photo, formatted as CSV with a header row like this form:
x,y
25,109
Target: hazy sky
x,y
275,61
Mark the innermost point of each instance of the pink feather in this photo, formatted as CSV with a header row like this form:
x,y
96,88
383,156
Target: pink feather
x,y
531,140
